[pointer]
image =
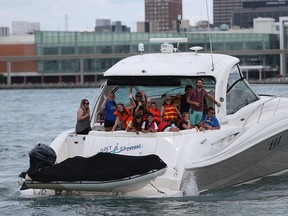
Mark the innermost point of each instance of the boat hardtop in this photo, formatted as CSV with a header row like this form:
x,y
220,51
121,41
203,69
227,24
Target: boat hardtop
x,y
172,64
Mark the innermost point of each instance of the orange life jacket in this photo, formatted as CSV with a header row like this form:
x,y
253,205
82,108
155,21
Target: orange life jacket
x,y
156,113
124,117
170,112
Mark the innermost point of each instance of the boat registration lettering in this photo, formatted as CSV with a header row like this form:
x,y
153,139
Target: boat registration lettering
x,y
118,149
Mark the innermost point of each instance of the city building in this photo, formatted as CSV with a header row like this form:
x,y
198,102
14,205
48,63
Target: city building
x,y
4,31
162,15
23,27
143,27
242,12
244,16
104,25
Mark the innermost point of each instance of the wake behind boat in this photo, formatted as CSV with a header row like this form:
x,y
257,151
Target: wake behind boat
x,y
251,144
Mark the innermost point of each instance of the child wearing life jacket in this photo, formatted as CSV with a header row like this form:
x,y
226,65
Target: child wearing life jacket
x,y
169,112
149,125
155,111
123,114
135,124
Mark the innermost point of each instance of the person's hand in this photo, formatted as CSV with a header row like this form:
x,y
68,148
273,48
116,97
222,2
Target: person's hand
x,y
143,92
130,95
218,104
148,99
105,97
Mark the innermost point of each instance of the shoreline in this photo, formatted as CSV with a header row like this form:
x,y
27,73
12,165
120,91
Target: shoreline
x,y
97,85
50,86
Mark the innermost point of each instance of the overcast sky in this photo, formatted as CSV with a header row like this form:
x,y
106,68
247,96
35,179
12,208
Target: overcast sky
x,y
81,14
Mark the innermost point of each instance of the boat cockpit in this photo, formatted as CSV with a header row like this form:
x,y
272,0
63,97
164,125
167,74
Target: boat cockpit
x,y
154,87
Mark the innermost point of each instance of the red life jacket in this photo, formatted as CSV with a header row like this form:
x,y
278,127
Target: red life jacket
x,y
156,113
124,117
170,112
148,125
162,126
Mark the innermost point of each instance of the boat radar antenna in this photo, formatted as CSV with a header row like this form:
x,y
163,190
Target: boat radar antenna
x,y
179,29
210,40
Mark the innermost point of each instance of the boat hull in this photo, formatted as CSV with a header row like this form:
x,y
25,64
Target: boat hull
x,y
262,159
125,185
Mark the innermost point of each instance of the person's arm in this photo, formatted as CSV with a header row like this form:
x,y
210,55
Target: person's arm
x,y
178,112
186,126
213,99
80,116
115,124
138,107
132,102
162,113
145,98
129,127
189,101
147,105
104,102
215,123
143,128
155,129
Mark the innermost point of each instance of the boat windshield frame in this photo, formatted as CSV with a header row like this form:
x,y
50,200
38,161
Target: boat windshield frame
x,y
161,90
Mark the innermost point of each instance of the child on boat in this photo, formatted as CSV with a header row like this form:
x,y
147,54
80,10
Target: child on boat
x,y
123,114
135,124
169,111
149,125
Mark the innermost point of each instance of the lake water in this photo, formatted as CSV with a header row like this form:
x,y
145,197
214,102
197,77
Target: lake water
x,y
28,117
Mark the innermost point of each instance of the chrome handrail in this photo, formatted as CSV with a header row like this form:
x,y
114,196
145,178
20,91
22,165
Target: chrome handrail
x,y
261,106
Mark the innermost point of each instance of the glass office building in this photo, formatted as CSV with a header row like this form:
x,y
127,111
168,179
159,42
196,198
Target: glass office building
x,y
109,48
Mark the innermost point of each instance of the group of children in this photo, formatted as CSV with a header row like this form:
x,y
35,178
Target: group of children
x,y
141,115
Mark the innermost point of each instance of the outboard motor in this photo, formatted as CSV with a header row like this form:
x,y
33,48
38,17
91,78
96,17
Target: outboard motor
x,y
40,156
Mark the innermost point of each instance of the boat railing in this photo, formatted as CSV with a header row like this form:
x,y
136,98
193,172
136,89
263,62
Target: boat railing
x,y
97,98
261,107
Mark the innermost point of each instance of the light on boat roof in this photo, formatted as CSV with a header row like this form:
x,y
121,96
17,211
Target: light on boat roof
x,y
168,40
196,49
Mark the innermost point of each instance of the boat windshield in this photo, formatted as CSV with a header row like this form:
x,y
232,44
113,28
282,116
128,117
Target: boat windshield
x,y
159,92
239,92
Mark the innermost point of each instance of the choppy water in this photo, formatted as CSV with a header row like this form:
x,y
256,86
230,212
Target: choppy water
x,y
28,117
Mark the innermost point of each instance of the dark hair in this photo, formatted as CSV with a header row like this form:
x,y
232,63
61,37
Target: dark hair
x,y
138,116
150,114
200,80
188,86
138,94
124,109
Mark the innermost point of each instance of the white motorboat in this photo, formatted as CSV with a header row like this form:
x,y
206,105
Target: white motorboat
x,y
251,144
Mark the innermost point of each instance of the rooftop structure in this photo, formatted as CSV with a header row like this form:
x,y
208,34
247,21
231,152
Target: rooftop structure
x,y
23,27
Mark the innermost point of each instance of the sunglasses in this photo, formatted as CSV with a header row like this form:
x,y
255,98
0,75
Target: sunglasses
x,y
87,103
